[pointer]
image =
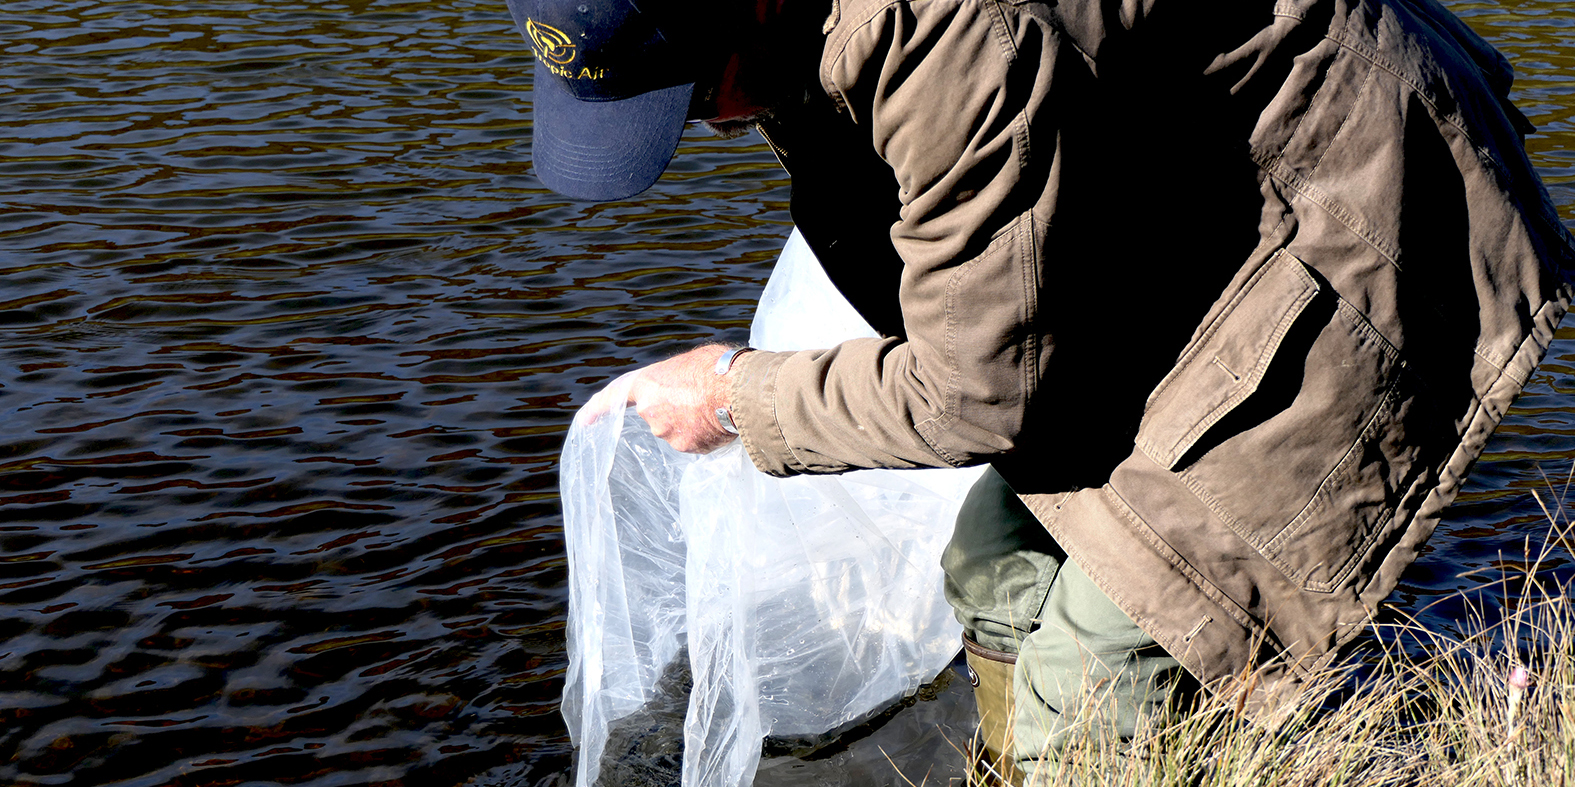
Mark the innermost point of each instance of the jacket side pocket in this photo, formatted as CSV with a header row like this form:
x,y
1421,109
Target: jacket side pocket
x,y
1297,424
1227,362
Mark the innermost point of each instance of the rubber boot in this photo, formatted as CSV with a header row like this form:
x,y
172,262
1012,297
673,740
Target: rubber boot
x,y
990,671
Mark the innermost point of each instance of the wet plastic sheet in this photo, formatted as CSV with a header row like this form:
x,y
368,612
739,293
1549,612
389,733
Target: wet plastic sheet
x,y
803,605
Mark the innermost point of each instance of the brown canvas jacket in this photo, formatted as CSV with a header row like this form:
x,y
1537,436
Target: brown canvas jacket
x,y
1233,294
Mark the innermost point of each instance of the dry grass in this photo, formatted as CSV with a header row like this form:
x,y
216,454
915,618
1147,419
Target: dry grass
x,y
1417,707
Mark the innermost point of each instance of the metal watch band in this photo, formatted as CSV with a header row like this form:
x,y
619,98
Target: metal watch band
x,y
725,360
725,420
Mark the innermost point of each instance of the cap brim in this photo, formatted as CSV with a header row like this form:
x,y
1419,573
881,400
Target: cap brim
x,y
604,150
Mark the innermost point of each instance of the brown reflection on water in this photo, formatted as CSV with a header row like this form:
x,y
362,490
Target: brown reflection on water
x,y
289,339
288,343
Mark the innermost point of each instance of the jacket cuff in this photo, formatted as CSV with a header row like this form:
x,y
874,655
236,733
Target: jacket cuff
x,y
751,395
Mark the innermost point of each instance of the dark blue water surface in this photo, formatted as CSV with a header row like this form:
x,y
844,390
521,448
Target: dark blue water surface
x,y
289,341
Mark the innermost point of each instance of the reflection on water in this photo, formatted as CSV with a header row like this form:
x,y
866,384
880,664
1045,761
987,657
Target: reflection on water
x,y
289,339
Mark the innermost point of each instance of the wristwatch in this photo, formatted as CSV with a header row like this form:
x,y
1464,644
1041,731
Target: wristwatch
x,y
724,362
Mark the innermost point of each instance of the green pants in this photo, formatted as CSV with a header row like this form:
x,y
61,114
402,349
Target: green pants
x,y
1079,657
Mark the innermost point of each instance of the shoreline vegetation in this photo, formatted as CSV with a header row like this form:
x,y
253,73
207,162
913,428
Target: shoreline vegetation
x,y
1491,705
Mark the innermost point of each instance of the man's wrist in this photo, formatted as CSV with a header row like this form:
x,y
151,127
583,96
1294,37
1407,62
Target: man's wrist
x,y
724,364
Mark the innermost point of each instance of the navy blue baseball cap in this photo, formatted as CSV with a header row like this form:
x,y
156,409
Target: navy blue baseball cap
x,y
612,90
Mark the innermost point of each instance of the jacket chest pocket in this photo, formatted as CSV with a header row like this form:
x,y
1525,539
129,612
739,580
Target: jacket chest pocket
x,y
1288,418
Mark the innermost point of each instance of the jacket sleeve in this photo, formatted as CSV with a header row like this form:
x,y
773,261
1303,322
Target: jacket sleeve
x,y
947,95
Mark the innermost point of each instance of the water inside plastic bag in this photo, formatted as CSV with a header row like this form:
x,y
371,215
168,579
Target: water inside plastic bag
x,y
762,607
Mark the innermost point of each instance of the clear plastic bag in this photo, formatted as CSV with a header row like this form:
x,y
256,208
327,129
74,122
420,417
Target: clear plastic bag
x,y
803,605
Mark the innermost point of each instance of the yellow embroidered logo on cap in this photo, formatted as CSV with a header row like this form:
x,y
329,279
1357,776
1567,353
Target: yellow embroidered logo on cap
x,y
551,43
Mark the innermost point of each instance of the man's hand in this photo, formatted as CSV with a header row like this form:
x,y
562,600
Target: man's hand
x,y
678,397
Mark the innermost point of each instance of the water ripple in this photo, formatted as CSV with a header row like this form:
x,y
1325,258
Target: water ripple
x,y
289,342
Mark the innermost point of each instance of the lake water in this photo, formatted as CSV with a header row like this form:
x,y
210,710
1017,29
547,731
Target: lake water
x,y
289,340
